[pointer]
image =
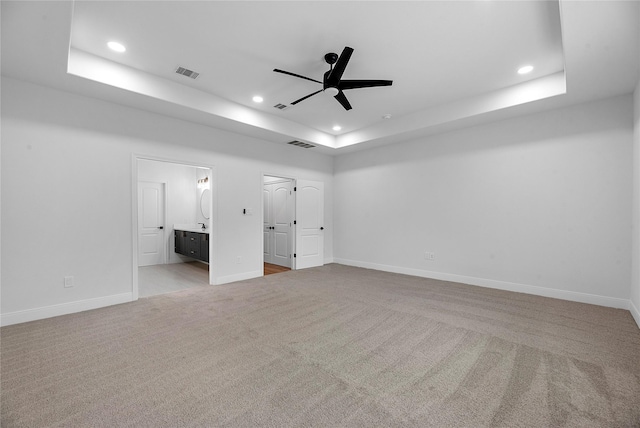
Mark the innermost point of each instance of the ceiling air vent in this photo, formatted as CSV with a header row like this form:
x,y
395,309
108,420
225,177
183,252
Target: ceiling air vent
x,y
280,106
186,72
301,144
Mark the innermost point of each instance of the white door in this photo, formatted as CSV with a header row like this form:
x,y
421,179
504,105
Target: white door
x,y
282,208
309,224
278,220
267,214
150,223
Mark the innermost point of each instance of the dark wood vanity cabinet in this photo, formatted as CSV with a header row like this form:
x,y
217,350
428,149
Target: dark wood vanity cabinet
x,y
204,247
192,244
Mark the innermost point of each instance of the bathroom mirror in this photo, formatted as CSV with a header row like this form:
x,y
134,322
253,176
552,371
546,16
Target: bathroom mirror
x,y
205,203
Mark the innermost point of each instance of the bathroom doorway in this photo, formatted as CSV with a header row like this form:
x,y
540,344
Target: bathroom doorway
x,y
187,200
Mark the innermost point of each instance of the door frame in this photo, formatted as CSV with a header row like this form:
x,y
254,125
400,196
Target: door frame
x,y
213,220
292,236
292,213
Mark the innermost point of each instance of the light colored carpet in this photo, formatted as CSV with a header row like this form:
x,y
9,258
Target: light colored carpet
x,y
334,346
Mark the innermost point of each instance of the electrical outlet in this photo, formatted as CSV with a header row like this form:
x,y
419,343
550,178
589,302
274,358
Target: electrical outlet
x,y
68,281
239,260
429,256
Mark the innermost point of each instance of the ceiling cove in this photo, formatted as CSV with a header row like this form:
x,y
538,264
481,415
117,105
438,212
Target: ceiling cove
x,y
450,63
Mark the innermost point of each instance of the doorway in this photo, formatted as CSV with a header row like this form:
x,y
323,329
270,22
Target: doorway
x,y
278,236
293,223
170,195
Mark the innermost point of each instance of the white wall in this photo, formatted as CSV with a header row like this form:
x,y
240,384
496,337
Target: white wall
x,y
539,204
635,283
201,174
182,204
67,195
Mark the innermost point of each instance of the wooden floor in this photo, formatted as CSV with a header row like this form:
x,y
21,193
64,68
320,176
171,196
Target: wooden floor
x,y
271,269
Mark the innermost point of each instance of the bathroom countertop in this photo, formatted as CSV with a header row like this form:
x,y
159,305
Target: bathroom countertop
x,y
190,228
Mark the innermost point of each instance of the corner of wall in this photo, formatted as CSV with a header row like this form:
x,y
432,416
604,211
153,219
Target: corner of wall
x,y
635,312
635,251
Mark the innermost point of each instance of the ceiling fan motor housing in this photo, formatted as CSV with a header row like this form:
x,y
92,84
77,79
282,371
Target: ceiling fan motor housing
x,y
331,58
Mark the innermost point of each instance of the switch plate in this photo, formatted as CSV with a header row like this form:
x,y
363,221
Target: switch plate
x,y
68,281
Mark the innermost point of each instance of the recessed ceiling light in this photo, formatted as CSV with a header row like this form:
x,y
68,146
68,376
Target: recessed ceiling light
x,y
118,47
337,128
386,116
526,69
258,99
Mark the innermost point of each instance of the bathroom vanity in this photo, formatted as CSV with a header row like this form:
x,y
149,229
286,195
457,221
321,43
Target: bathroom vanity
x,y
192,242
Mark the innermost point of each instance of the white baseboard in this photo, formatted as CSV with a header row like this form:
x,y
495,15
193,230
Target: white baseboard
x,y
635,312
63,309
239,277
574,296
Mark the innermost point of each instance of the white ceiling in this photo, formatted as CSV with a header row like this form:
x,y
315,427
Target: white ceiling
x,y
453,63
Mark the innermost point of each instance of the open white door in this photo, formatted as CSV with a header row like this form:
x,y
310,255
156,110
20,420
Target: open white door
x,y
150,224
309,224
278,221
267,201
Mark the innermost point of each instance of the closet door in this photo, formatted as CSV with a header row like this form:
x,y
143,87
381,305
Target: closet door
x,y
310,224
282,210
267,219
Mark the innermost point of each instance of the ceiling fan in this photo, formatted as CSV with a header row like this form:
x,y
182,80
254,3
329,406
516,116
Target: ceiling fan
x,y
332,83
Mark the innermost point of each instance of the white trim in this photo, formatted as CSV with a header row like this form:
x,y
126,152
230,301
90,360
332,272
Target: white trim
x,y
134,226
239,277
64,309
574,296
635,312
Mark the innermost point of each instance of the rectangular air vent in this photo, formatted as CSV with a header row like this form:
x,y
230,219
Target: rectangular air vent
x,y
301,144
186,72
280,106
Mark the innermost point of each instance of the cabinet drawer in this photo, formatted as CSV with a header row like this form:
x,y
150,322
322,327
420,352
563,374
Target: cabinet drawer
x,y
193,244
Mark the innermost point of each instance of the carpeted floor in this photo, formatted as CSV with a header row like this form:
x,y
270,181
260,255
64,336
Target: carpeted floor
x,y
334,346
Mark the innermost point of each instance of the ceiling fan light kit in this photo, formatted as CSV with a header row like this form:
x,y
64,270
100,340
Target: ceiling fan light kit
x,y
332,83
332,91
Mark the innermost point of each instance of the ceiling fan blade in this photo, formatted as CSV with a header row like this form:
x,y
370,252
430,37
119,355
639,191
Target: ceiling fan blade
x,y
296,75
305,97
342,99
339,67
354,84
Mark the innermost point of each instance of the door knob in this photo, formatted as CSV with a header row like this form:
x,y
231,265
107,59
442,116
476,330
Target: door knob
x,y
321,228
160,227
